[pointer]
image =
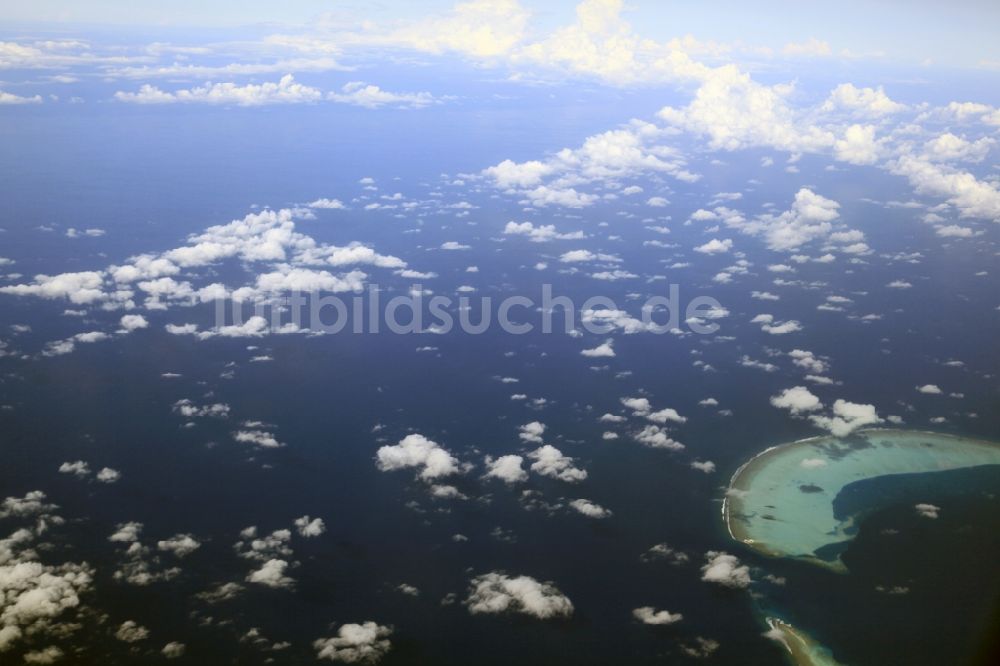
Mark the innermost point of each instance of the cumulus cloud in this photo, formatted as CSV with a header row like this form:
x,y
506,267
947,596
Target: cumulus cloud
x,y
326,204
797,400
609,156
108,475
725,569
355,644
639,406
478,28
576,256
846,418
131,631
370,96
133,322
656,437
180,545
188,409
37,601
604,350
809,219
294,259
310,527
589,509
126,532
664,415
649,615
81,288
663,551
285,91
861,101
173,650
781,327
79,469
496,592
606,320
532,432
7,98
808,361
271,574
262,548
416,451
550,461
49,655
971,196
948,147
715,246
858,145
735,112
506,468
540,233
261,438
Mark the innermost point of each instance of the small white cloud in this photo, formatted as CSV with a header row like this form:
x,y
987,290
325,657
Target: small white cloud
x,y
550,461
725,569
133,322
649,615
363,643
603,350
416,451
180,545
532,432
797,400
715,246
496,592
506,468
590,509
271,574
131,632
310,527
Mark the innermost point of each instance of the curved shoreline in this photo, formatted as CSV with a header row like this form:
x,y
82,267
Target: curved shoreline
x,y
919,444
802,649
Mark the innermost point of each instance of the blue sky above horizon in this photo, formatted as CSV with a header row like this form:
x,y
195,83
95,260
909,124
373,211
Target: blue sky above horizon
x,y
954,34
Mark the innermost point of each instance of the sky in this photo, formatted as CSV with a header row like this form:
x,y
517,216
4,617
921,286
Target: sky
x,y
954,34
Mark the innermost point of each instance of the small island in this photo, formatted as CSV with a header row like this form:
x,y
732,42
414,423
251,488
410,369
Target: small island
x,y
782,502
802,649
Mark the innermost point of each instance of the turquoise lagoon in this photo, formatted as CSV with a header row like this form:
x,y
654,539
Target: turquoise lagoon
x,y
783,502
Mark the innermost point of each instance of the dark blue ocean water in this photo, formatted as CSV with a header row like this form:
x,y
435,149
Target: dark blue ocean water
x,y
151,177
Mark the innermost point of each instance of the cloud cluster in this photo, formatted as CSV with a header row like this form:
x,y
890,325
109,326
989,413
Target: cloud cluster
x,y
724,569
603,159
281,258
354,643
285,91
506,468
550,462
416,451
649,615
589,509
496,592
36,600
844,418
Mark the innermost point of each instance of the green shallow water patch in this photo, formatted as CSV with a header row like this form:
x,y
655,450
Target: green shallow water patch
x,y
784,501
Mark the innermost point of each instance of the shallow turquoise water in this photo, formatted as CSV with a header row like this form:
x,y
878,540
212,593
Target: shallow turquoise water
x,y
782,501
